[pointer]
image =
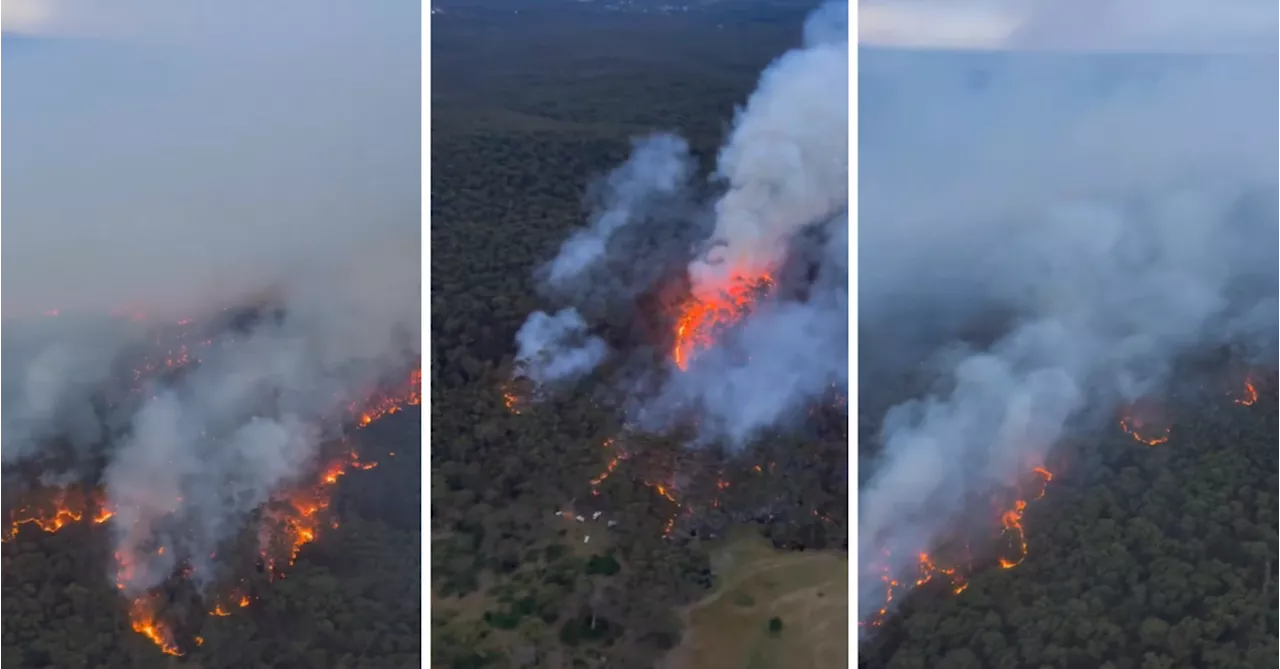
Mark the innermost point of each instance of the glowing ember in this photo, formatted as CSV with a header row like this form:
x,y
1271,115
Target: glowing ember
x,y
702,320
512,402
1135,428
928,570
1250,393
299,520
1011,520
380,404
61,509
613,464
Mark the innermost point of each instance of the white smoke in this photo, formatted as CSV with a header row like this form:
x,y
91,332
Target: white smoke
x,y
557,348
1104,215
787,162
659,167
251,418
51,376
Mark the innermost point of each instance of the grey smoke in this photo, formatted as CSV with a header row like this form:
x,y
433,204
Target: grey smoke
x,y
558,348
786,163
660,166
252,417
180,162
782,175
1095,216
51,375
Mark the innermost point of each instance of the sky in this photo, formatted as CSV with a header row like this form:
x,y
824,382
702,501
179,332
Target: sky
x,y
158,153
1177,26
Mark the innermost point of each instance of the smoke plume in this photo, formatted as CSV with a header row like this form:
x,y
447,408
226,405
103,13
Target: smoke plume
x,y
649,186
777,223
208,176
1044,235
557,348
786,163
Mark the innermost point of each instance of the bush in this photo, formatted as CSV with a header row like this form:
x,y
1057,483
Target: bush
x,y
605,565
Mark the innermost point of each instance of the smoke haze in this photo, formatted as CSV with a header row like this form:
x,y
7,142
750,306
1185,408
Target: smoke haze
x,y
1094,216
176,161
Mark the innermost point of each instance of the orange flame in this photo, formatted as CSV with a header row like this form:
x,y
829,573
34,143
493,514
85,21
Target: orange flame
x,y
380,404
144,621
702,320
1250,393
300,519
1011,520
62,509
1134,427
928,570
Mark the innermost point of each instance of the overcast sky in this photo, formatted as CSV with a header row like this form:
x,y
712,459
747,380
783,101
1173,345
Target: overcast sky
x,y
1178,26
157,151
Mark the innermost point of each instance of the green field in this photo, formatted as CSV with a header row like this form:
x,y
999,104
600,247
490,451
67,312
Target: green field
x,y
808,592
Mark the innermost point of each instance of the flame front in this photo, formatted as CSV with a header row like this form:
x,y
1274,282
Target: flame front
x,y
927,570
1135,428
299,519
701,321
143,618
63,508
380,404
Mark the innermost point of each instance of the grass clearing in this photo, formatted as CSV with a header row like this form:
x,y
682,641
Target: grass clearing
x,y
806,591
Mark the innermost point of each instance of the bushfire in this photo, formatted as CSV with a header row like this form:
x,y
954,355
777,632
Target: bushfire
x,y
296,519
1250,393
1143,433
956,576
700,321
62,507
1011,519
143,618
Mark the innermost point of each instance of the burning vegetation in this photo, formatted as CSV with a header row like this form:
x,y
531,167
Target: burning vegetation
x,y
1009,543
700,322
697,324
1142,420
288,522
